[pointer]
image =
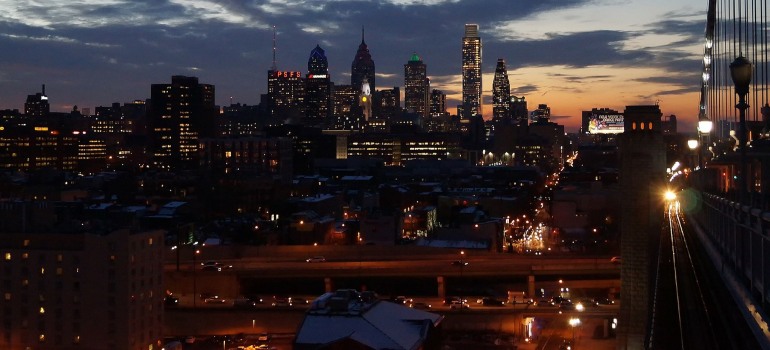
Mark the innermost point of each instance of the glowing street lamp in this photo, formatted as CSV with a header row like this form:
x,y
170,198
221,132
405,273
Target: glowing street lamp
x,y
574,322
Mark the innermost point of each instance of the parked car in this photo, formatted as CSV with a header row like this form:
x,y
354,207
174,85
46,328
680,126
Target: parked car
x,y
316,259
604,301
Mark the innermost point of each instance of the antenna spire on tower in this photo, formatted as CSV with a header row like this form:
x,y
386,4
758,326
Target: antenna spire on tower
x,y
362,33
275,67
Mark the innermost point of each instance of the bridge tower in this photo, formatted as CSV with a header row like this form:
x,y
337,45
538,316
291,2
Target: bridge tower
x,y
642,175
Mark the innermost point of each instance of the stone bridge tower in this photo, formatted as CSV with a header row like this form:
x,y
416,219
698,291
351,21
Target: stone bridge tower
x,y
642,177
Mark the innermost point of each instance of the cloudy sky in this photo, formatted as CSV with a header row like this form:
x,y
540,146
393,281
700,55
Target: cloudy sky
x,y
573,55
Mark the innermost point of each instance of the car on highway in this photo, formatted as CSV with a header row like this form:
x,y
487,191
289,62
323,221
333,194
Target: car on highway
x,y
281,300
567,305
544,302
420,306
212,265
489,301
616,260
171,300
214,300
244,303
402,300
299,301
457,304
264,337
460,263
316,259
604,301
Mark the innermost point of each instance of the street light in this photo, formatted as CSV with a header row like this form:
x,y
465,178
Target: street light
x,y
693,146
574,322
741,71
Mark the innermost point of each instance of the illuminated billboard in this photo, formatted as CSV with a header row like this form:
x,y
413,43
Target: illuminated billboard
x,y
605,124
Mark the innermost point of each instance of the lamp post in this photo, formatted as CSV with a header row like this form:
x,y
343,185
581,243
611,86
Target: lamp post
x,y
692,144
741,72
704,131
574,322
195,280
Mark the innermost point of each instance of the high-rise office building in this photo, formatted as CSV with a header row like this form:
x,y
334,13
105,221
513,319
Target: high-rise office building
x,y
286,95
501,93
542,114
471,52
344,99
37,104
519,111
317,89
363,67
437,103
179,114
416,86
387,103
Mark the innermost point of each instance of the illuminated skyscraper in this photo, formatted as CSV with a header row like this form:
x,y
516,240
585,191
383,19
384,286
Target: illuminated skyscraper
x,y
363,67
180,113
317,88
416,86
471,103
501,93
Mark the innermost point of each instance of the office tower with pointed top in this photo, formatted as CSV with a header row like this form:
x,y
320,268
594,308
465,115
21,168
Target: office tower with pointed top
x,y
471,72
363,67
317,89
416,86
501,94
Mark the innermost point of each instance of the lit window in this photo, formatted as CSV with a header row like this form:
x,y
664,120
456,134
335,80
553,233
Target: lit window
x,y
26,242
76,340
7,256
42,337
42,270
42,310
149,241
59,258
7,296
25,282
25,256
58,271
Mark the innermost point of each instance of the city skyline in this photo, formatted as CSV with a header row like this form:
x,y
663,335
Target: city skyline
x,y
571,55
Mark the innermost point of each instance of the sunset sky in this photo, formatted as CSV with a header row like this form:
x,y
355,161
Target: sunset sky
x,y
573,55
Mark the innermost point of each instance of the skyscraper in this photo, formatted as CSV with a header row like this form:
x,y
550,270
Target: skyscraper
x,y
437,103
471,103
416,86
317,89
180,113
519,111
286,93
37,105
501,93
363,67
